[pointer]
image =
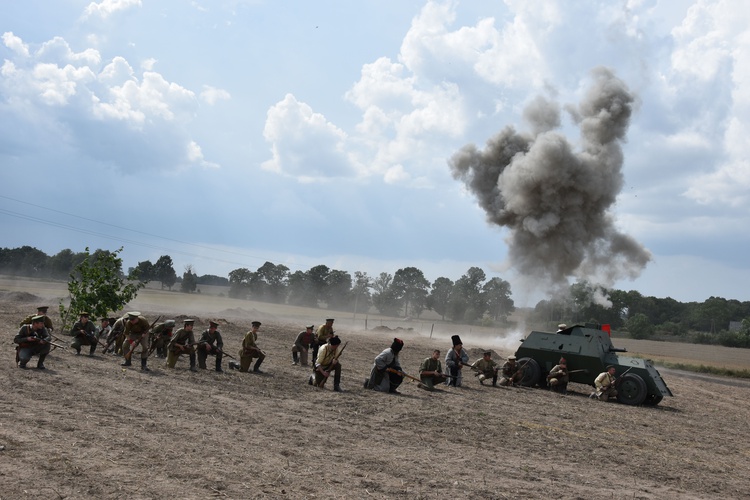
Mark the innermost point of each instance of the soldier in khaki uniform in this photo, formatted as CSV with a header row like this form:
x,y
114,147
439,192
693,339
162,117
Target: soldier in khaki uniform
x,y
211,344
183,342
511,373
104,329
605,385
136,333
302,344
84,332
431,372
160,337
33,339
326,363
325,332
116,335
251,350
485,368
40,311
558,377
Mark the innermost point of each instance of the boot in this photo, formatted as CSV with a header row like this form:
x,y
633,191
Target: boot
x,y
192,363
295,358
78,351
40,363
22,364
337,388
91,351
256,368
144,368
218,364
127,362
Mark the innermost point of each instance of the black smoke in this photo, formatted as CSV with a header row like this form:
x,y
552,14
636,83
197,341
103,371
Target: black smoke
x,y
554,198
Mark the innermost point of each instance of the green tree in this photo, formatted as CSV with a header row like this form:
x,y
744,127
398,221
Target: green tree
x,y
339,290
384,298
164,272
189,280
497,296
411,288
639,326
361,292
239,280
468,302
439,298
145,270
97,286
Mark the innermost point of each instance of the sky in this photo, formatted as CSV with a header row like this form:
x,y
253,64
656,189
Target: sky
x,y
371,136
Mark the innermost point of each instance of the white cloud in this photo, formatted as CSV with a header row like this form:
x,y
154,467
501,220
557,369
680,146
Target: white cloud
x,y
106,8
304,144
212,95
195,156
15,44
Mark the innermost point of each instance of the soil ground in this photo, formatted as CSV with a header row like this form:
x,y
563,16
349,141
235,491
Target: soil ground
x,y
89,428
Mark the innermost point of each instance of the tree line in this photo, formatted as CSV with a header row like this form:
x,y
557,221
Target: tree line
x,y
471,299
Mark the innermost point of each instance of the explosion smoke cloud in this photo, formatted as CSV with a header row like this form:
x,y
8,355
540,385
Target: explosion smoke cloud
x,y
555,200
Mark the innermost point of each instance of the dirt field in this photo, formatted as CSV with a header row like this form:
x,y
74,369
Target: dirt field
x,y
88,428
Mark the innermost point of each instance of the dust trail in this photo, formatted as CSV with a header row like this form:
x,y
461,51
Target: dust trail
x,y
556,199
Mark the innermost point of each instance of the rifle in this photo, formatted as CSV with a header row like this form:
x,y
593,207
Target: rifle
x,y
138,342
614,383
330,365
119,333
403,374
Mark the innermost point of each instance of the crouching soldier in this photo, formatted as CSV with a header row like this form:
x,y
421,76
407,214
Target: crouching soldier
x,y
305,339
486,368
605,385
84,332
160,336
33,340
135,334
250,350
183,342
327,362
380,378
558,377
210,344
431,372
511,372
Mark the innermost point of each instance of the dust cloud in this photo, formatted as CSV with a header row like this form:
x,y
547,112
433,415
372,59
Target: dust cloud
x,y
555,198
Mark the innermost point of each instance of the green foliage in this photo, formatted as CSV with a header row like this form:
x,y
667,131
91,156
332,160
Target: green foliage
x,y
189,280
98,287
164,272
639,326
439,298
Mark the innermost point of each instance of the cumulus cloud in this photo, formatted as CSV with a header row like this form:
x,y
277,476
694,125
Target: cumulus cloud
x,y
212,95
107,8
15,44
112,113
304,144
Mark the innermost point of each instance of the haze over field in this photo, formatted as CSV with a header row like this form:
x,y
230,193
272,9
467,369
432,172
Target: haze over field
x,y
230,133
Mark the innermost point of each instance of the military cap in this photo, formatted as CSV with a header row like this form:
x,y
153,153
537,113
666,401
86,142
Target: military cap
x,y
189,321
609,367
85,314
456,340
562,326
397,344
169,323
213,323
562,361
112,320
256,323
511,358
335,340
104,319
133,314
310,327
42,309
39,318
487,353
330,320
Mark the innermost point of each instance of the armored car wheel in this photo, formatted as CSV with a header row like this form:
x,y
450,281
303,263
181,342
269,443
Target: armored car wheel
x,y
653,399
531,372
631,390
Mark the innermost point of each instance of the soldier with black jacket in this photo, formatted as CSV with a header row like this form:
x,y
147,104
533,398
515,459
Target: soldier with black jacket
x,y
211,344
33,340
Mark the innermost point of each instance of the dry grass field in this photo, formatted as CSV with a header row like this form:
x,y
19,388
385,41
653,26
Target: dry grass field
x,y
89,428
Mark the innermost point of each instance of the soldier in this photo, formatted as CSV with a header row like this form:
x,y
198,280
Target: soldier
x,y
381,379
558,377
116,335
605,385
136,333
455,360
207,348
561,327
327,362
40,311
486,368
84,332
511,372
251,350
302,344
160,336
325,332
104,329
182,342
430,371
33,339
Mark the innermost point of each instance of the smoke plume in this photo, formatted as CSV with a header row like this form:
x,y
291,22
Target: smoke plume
x,y
555,200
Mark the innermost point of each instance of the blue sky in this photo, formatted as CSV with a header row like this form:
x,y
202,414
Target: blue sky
x,y
230,133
